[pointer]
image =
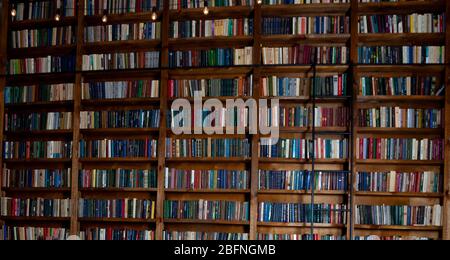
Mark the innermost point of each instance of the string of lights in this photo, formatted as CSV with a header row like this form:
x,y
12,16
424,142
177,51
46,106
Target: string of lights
x,y
104,18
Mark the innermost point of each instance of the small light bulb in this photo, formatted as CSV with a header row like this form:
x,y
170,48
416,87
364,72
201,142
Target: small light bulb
x,y
57,17
154,14
205,10
259,2
105,16
13,12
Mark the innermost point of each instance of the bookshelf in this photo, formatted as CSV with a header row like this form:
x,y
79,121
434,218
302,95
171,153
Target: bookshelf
x,y
253,164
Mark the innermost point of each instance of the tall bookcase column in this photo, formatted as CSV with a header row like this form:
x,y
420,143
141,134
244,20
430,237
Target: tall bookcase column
x,y
446,224
3,56
74,224
164,64
255,138
354,88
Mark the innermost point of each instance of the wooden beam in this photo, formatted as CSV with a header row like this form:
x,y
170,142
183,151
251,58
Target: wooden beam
x,y
446,209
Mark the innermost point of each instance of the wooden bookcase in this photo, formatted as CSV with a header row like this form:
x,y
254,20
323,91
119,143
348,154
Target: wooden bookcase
x,y
253,164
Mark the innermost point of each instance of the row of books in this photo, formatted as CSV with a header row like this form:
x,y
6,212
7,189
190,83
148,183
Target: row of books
x,y
143,148
305,55
122,32
120,89
38,10
32,38
397,117
199,236
411,23
120,119
207,210
210,58
38,121
96,7
36,178
211,28
117,178
116,234
302,116
302,149
401,55
37,150
306,237
412,182
39,93
236,87
118,208
400,86
302,213
297,87
206,179
401,215
185,4
390,238
118,61
399,149
50,64
306,25
296,2
303,180
207,148
220,118
32,233
37,207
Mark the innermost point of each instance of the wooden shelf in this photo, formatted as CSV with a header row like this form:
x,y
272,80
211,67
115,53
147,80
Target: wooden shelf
x,y
94,190
304,9
39,161
119,102
39,134
22,53
118,160
411,228
53,105
36,190
124,46
300,225
405,68
196,221
399,39
119,131
214,13
402,162
216,160
117,220
277,40
302,161
35,219
397,131
95,20
301,192
399,194
49,78
27,24
402,7
206,191
402,99
210,42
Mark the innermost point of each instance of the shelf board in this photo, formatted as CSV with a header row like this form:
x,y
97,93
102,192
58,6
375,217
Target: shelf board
x,y
402,162
277,40
21,53
301,69
39,134
319,130
41,161
210,42
119,131
406,68
93,20
230,71
208,191
120,75
36,190
390,130
94,190
117,160
119,102
303,9
48,78
115,46
398,194
301,192
28,24
34,219
402,7
410,228
300,225
302,161
400,39
214,222
216,160
117,220
214,13
40,105
406,99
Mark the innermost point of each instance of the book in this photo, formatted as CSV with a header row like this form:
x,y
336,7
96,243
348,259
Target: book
x,y
211,28
399,215
207,148
25,121
306,237
399,149
120,119
96,7
401,55
121,61
120,89
400,86
207,210
306,25
185,4
118,148
410,23
397,117
36,178
35,207
117,178
223,118
130,208
206,179
303,180
201,236
211,58
122,32
302,213
38,93
41,10
32,233
305,55
26,150
49,64
116,234
235,87
45,37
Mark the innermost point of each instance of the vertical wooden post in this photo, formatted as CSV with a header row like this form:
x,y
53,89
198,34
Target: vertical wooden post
x,y
446,217
163,123
354,90
75,194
